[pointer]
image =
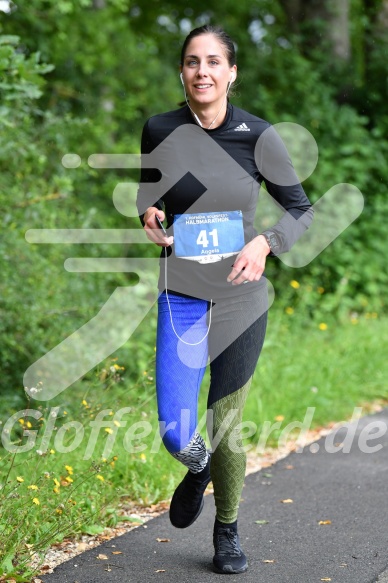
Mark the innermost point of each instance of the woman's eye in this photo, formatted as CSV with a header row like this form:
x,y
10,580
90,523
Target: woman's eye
x,y
191,63
214,62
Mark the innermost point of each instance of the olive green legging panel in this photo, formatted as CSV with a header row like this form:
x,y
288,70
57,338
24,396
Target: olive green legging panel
x,y
228,460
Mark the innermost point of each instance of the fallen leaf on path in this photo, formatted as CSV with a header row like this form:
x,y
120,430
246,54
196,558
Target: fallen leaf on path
x,y
261,521
160,571
289,467
268,560
287,501
324,522
102,557
159,506
117,553
46,569
326,579
163,540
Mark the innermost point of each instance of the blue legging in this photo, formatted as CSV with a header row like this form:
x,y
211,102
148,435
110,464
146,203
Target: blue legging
x,y
234,343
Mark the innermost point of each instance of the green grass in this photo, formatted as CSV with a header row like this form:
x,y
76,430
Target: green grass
x,y
332,370
301,366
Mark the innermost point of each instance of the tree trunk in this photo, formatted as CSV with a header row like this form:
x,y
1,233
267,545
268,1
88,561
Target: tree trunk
x,y
383,17
338,28
292,8
335,15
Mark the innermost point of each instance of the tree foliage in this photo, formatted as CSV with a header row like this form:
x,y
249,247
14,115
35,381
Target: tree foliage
x,y
83,77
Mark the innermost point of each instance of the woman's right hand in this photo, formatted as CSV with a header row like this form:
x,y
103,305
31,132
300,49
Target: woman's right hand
x,y
152,229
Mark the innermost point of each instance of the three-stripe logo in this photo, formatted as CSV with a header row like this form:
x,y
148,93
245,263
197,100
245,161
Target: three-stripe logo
x,y
242,128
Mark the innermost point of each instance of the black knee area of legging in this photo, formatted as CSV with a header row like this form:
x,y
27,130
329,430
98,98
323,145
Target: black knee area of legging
x,y
233,367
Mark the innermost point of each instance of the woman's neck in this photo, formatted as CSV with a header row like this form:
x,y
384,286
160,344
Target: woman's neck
x,y
210,117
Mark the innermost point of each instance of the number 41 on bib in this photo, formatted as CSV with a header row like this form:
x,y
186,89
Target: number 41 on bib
x,y
208,237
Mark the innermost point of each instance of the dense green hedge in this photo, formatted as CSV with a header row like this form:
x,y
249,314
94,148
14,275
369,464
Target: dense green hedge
x,y
76,78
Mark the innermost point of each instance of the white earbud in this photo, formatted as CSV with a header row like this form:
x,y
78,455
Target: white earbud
x,y
181,76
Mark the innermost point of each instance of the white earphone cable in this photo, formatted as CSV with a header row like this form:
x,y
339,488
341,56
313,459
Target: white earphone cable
x,y
169,309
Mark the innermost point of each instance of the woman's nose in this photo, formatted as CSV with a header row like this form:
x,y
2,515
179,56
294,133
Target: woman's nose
x,y
202,70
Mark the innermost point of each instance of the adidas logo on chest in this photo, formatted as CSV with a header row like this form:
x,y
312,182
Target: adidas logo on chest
x,y
242,128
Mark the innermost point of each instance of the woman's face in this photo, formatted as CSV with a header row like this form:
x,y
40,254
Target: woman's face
x,y
206,71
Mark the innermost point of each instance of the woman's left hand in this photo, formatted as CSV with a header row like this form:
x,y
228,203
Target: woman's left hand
x,y
250,262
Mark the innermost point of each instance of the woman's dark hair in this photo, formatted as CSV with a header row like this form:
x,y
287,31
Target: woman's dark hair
x,y
222,37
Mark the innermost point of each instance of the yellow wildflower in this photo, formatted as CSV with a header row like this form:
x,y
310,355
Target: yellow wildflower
x,y
322,326
99,477
108,429
19,479
289,310
68,479
32,487
110,413
58,511
56,482
84,402
321,290
143,456
117,423
56,490
52,450
21,421
36,501
29,425
115,458
69,469
295,284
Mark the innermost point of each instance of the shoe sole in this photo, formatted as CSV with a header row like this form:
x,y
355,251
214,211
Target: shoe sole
x,y
232,572
193,519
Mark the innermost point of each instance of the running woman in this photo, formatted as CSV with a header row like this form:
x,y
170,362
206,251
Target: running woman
x,y
204,182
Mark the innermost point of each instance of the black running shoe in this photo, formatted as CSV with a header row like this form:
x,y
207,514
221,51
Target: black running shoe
x,y
187,501
229,557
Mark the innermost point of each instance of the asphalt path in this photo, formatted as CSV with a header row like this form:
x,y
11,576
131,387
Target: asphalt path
x,y
335,529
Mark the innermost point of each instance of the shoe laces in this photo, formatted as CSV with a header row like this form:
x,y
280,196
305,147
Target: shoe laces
x,y
227,542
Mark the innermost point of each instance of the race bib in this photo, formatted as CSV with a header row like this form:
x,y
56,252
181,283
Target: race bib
x,y
208,237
